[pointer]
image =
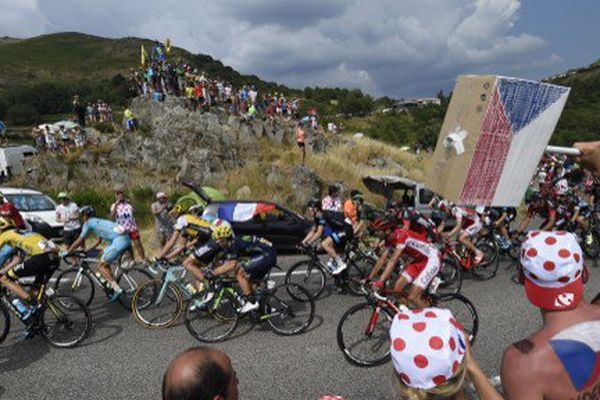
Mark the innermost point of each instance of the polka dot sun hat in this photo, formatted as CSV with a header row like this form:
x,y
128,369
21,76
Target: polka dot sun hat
x,y
553,265
427,347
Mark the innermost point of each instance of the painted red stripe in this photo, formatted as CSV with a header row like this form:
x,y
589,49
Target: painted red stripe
x,y
490,155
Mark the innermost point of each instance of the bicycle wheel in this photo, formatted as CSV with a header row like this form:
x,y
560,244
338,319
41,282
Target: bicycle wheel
x,y
65,321
157,304
130,280
488,266
451,276
288,309
214,321
4,322
352,277
76,283
363,335
309,275
463,310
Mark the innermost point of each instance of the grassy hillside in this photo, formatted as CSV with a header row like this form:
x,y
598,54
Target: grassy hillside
x,y
580,120
75,57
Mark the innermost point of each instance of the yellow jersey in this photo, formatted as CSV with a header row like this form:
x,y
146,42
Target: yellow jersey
x,y
193,227
31,243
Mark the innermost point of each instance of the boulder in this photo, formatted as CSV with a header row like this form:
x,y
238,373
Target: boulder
x,y
305,184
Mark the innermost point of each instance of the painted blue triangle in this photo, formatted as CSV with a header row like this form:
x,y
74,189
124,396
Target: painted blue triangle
x,y
524,100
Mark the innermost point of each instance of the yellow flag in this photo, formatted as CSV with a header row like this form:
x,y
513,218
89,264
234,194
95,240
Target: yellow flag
x,y
144,55
168,45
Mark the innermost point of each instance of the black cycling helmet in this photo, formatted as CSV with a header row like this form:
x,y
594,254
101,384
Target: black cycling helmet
x,y
314,203
87,211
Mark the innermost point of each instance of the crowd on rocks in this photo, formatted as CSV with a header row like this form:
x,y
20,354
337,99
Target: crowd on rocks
x,y
59,138
160,77
98,112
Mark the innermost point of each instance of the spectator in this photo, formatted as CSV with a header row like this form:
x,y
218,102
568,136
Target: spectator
x,y
63,133
559,361
129,120
162,219
122,212
433,362
200,373
50,140
332,201
79,110
300,138
67,213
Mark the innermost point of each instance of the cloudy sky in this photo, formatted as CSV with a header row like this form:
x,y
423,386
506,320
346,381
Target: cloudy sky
x,y
385,47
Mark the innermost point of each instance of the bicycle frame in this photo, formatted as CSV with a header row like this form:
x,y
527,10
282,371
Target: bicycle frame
x,y
171,277
466,263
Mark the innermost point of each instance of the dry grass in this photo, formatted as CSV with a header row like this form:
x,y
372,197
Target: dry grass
x,y
344,162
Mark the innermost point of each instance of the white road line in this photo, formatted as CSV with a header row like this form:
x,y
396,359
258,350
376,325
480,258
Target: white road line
x,y
284,273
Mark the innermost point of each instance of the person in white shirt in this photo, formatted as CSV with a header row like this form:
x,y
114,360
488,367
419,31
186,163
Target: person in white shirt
x,y
67,213
332,202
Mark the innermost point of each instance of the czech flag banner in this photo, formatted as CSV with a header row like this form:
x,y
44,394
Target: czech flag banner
x,y
494,134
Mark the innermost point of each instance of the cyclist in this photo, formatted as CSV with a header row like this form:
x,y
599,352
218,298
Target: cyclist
x,y
559,360
260,255
336,234
468,224
501,218
424,264
34,256
542,206
189,226
103,229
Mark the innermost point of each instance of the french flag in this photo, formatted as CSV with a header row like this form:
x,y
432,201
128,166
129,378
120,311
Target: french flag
x,y
578,349
241,212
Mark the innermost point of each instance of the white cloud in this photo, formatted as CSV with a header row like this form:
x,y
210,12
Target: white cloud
x,y
393,47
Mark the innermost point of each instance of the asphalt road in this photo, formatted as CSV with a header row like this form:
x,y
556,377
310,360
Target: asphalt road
x,y
122,360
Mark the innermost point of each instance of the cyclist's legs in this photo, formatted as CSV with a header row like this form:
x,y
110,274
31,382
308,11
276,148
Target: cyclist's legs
x,y
37,266
421,274
255,270
111,253
329,247
467,233
192,265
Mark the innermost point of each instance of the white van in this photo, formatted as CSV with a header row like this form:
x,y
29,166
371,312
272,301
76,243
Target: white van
x,y
11,158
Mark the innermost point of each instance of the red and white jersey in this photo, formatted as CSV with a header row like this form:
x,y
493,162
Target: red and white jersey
x,y
413,243
465,216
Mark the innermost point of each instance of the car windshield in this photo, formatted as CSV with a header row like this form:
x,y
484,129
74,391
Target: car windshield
x,y
31,202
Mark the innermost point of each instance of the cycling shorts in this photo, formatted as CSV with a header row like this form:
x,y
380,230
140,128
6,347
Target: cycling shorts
x,y
339,237
422,272
472,229
259,266
116,247
42,266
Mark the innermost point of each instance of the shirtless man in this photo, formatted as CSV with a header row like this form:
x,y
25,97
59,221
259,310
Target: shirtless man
x,y
561,360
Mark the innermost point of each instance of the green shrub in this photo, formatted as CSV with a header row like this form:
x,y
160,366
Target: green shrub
x,y
105,127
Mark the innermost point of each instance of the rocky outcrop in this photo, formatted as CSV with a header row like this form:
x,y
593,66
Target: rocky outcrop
x,y
171,143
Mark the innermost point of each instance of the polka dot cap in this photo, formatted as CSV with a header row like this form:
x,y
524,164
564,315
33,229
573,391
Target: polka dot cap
x,y
552,264
427,347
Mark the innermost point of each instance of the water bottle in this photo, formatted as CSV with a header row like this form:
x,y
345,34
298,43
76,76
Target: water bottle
x,y
435,283
20,306
191,289
103,281
270,284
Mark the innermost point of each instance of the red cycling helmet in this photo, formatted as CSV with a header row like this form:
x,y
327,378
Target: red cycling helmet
x,y
383,224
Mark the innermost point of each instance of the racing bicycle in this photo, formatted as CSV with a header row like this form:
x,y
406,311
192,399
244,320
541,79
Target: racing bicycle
x,y
288,309
79,280
62,320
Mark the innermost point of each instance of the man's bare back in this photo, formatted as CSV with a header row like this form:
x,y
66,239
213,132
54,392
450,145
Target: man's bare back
x,y
561,361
